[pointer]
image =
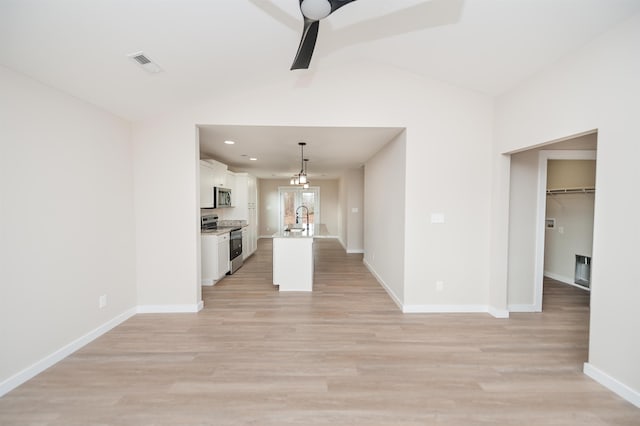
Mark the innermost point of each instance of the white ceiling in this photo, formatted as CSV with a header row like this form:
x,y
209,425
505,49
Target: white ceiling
x,y
330,150
212,47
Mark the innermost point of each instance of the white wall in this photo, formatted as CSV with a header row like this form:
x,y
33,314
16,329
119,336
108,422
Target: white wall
x,y
384,218
66,222
596,88
448,169
573,234
342,211
523,199
352,210
270,204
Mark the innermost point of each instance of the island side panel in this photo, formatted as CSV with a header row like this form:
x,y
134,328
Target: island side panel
x,y
293,263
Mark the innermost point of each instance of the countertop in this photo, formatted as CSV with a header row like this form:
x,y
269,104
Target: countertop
x,y
221,230
288,234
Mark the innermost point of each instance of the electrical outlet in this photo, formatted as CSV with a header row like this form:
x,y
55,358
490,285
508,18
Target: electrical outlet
x,y
102,301
439,286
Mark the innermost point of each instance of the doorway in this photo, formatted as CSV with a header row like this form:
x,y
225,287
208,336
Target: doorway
x,y
527,215
550,226
298,207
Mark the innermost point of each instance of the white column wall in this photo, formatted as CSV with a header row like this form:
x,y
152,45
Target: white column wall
x,y
596,88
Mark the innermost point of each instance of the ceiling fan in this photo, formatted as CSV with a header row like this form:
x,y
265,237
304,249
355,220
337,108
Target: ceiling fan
x,y
313,11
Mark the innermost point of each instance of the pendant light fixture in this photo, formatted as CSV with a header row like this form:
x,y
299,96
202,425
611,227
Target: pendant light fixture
x,y
301,178
306,184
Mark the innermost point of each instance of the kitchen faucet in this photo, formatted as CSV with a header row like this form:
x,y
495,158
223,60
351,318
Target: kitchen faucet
x,y
297,217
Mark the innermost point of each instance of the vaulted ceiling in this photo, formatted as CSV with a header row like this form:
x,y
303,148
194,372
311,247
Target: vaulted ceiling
x,y
211,47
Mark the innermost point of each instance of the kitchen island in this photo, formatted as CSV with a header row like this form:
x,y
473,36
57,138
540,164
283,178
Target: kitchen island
x,y
293,260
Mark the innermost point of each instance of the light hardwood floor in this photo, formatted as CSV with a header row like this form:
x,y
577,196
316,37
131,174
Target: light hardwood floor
x,y
342,355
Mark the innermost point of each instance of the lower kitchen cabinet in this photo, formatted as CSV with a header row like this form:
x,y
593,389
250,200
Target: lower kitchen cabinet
x,y
215,257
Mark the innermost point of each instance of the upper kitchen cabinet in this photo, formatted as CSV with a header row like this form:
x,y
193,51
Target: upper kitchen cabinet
x,y
212,173
240,197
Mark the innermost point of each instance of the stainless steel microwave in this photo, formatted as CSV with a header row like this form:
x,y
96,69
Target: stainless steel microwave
x,y
221,197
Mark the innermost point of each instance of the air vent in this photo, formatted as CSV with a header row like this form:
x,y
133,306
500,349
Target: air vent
x,y
146,63
141,59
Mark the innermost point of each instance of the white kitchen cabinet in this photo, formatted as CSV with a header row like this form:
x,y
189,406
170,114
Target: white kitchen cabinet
x,y
206,185
223,255
252,232
219,173
215,257
245,202
212,173
238,198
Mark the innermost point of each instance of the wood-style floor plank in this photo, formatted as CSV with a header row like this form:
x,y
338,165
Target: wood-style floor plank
x,y
342,355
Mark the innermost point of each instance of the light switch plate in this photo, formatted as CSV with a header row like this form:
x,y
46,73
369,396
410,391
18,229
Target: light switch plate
x,y
354,210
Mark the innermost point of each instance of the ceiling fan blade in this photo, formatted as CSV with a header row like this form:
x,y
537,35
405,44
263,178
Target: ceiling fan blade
x,y
337,4
307,44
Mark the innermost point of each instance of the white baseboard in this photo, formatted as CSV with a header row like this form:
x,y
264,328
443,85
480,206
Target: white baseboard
x,y
455,309
349,251
558,277
46,362
614,385
523,308
498,313
169,309
413,309
565,280
384,285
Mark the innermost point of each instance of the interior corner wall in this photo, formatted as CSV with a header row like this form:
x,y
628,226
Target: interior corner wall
x,y
596,88
66,225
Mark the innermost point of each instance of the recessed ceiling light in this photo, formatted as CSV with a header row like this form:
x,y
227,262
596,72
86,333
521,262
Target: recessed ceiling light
x,y
229,142
253,159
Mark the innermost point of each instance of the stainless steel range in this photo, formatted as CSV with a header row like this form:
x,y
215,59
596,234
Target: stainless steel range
x,y
210,223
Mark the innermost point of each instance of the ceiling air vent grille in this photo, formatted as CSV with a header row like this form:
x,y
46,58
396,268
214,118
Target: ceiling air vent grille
x,y
141,59
146,63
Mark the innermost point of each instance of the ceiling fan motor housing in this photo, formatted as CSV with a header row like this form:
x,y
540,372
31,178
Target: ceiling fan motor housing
x,y
315,9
